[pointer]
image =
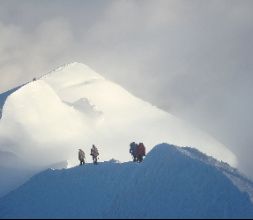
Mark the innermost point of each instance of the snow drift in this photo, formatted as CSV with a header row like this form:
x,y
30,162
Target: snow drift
x,y
171,183
47,120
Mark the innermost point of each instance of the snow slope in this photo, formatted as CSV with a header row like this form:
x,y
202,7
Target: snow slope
x,y
73,107
240,180
170,183
11,174
4,96
14,171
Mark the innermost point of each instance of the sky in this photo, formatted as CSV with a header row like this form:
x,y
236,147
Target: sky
x,y
191,58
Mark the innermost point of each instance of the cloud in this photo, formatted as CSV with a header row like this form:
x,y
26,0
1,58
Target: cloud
x,y
25,55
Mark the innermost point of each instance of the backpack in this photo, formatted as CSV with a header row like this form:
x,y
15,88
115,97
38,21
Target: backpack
x,y
142,149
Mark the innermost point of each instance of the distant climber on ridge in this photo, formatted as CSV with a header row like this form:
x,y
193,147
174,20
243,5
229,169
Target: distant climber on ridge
x,y
133,151
141,152
94,153
81,156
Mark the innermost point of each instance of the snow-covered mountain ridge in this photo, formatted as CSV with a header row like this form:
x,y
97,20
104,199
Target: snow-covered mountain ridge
x,y
168,184
242,182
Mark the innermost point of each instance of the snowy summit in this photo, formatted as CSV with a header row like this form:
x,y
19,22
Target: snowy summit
x,y
47,120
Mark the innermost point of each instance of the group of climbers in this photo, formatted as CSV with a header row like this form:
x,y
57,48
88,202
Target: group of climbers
x,y
93,152
138,151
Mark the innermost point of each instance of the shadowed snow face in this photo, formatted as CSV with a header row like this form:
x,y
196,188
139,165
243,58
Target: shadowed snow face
x,y
170,183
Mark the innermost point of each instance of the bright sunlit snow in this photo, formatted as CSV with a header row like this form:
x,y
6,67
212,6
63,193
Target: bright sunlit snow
x,y
72,107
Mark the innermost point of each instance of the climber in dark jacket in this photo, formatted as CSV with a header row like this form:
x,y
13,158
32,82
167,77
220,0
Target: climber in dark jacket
x,y
133,151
